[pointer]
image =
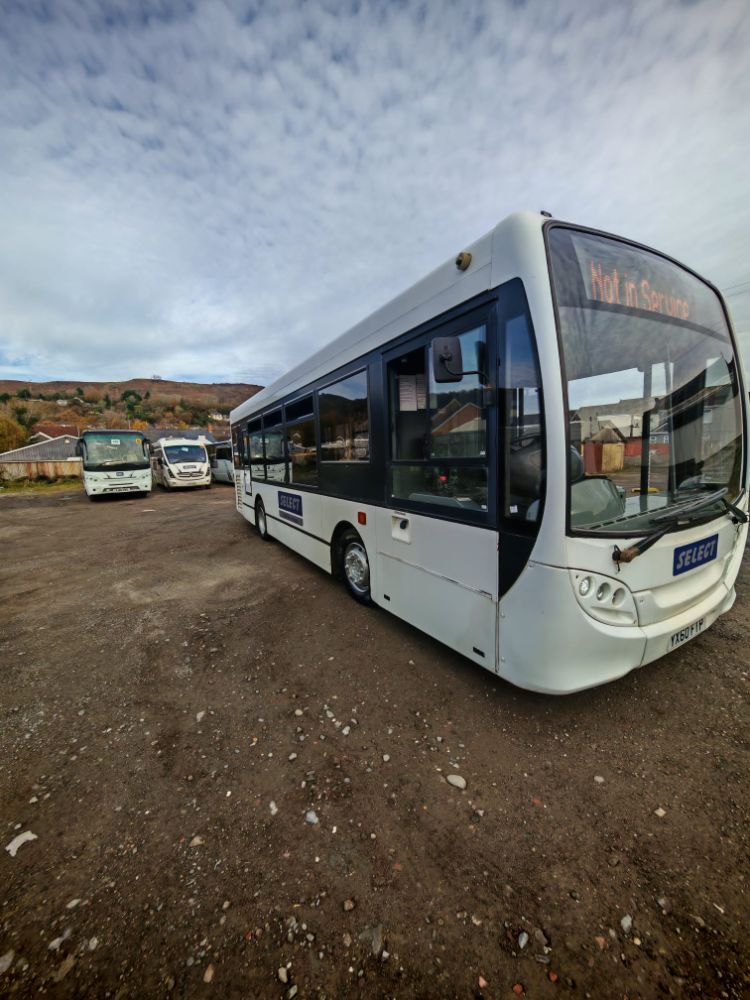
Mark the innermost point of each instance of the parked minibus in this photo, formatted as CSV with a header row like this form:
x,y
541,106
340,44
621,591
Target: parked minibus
x,y
178,463
537,455
114,461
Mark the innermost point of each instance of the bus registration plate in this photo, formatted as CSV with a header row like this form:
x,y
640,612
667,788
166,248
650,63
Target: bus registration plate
x,y
689,632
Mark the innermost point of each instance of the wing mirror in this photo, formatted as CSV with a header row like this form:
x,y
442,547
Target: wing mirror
x,y
447,360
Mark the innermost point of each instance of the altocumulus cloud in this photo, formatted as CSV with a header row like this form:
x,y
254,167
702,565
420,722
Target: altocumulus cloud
x,y
212,190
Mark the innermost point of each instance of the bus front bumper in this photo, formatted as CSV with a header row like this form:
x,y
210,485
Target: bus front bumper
x,y
549,644
664,637
180,482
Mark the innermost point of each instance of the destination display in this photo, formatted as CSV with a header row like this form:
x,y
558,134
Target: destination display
x,y
612,286
601,272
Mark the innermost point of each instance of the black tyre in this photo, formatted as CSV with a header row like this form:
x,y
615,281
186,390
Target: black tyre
x,y
355,566
261,521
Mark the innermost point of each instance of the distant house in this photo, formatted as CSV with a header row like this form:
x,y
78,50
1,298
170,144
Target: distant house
x,y
38,437
53,430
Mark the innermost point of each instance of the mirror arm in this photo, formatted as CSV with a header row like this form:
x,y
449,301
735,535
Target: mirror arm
x,y
485,383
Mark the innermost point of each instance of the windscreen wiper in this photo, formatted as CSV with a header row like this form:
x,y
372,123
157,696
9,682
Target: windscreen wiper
x,y
628,555
669,517
689,506
738,516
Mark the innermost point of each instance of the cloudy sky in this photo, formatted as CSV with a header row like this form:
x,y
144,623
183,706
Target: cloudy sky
x,y
211,189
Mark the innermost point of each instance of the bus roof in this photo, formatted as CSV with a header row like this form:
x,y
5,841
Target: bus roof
x,y
439,291
168,442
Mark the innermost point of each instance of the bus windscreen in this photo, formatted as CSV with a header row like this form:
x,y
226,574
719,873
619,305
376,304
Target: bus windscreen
x,y
116,450
653,403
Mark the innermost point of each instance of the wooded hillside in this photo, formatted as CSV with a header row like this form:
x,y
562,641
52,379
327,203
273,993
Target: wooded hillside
x,y
138,403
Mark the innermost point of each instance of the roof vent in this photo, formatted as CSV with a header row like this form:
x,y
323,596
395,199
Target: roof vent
x,y
463,260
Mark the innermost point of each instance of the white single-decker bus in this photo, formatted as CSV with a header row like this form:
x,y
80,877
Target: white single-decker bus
x,y
114,462
537,455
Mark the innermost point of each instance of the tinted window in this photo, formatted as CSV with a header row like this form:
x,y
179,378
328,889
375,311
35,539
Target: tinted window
x,y
303,452
409,430
438,431
255,448
300,408
236,442
273,439
344,420
458,417
523,460
460,488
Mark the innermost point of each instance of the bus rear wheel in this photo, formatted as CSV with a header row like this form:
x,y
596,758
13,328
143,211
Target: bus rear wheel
x,y
355,566
261,521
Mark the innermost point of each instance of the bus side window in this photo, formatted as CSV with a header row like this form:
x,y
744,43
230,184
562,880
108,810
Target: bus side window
x,y
409,438
302,442
273,443
523,465
439,432
345,420
255,449
458,417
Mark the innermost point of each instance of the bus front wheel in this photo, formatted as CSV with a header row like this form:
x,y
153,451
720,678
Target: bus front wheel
x,y
355,566
261,521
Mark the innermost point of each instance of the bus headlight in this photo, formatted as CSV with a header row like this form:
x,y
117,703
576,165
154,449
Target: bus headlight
x,y
607,600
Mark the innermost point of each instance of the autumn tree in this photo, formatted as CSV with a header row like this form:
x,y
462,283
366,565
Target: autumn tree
x,y
12,434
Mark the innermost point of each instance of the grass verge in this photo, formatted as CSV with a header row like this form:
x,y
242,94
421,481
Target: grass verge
x,y
14,487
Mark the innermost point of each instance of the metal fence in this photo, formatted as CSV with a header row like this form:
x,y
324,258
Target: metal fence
x,y
63,469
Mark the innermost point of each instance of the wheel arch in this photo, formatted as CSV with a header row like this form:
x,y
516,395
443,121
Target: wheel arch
x,y
336,552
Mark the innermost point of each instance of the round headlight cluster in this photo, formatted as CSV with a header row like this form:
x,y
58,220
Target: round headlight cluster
x,y
605,599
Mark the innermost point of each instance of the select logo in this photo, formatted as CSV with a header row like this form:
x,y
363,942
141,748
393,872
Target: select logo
x,y
688,557
290,507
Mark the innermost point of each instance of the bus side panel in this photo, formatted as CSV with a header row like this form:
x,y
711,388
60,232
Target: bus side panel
x,y
305,534
441,577
311,548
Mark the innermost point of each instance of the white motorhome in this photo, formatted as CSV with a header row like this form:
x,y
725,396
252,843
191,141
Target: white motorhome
x,y
454,458
114,462
180,462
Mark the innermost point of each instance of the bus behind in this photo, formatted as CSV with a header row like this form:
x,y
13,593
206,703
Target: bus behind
x,y
114,462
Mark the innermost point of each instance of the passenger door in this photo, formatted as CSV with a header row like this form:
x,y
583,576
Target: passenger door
x,y
437,544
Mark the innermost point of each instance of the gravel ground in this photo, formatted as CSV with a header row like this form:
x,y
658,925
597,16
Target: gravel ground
x,y
238,782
